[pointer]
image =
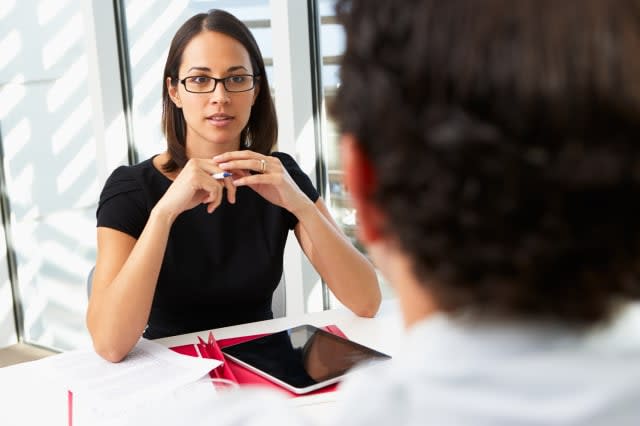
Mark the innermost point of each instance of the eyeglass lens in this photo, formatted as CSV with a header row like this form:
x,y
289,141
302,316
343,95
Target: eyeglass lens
x,y
204,84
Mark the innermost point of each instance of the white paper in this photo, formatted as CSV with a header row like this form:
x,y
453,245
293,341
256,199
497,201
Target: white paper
x,y
27,399
249,406
105,392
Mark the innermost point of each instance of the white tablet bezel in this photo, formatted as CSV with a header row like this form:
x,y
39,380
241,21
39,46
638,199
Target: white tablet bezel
x,y
286,385
289,387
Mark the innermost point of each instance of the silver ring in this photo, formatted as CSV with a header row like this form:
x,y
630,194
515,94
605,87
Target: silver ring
x,y
263,166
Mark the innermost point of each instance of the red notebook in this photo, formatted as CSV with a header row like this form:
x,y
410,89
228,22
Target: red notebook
x,y
235,372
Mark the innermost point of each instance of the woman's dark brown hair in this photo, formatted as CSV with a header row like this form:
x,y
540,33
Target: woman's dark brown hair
x,y
504,135
261,132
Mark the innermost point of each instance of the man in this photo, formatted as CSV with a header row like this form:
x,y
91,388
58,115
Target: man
x,y
490,148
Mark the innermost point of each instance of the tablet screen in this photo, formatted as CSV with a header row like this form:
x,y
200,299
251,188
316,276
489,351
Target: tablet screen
x,y
302,358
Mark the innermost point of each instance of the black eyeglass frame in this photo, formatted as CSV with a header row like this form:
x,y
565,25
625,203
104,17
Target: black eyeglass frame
x,y
223,80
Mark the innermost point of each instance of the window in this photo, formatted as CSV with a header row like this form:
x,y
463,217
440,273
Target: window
x,y
53,124
331,44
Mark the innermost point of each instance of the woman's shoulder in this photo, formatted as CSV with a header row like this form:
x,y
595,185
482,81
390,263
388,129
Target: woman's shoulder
x,y
285,158
128,178
126,199
299,176
133,169
132,173
288,162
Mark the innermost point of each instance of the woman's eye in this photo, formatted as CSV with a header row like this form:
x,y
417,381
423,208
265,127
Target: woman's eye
x,y
200,80
238,79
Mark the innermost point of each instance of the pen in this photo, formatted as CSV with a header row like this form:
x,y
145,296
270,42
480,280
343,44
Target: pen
x,y
220,175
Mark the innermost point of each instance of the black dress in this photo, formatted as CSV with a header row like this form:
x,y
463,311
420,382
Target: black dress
x,y
219,269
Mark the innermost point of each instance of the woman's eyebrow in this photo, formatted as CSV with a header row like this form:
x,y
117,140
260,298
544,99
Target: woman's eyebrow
x,y
199,69
207,69
236,68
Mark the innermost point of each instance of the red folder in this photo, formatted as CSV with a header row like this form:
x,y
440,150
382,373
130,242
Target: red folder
x,y
229,369
235,372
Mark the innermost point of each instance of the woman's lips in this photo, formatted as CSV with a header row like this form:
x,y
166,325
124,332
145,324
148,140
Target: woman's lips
x,y
220,120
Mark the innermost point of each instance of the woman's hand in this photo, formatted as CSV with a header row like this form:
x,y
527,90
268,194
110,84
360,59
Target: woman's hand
x,y
195,185
271,180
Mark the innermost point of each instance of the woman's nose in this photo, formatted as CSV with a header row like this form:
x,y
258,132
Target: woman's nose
x,y
219,94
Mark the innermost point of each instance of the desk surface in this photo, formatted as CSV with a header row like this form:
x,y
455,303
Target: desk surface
x,y
382,333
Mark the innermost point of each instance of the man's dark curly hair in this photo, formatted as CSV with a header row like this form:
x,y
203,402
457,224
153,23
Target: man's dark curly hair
x,y
505,138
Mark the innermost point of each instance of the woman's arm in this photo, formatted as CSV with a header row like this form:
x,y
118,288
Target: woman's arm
x,y
124,283
349,275
127,269
347,272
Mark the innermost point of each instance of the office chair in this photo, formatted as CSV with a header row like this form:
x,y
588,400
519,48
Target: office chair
x,y
90,280
278,301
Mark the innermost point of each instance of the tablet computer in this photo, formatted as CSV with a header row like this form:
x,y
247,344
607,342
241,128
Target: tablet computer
x,y
301,359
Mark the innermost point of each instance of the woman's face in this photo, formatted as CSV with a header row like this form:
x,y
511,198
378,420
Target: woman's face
x,y
217,117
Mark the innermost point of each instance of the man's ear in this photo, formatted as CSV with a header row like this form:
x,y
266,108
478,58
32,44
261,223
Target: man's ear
x,y
360,182
173,93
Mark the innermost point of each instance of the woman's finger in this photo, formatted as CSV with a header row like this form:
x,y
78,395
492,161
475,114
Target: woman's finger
x,y
263,165
258,178
231,190
257,165
244,154
214,200
246,159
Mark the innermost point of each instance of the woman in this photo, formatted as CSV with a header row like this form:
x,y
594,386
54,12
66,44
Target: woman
x,y
181,250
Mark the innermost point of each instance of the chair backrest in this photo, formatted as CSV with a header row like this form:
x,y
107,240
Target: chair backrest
x,y
278,301
90,280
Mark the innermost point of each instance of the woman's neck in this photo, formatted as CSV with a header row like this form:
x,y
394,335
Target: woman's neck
x,y
195,150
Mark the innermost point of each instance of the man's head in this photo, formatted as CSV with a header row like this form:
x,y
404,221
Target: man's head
x,y
495,143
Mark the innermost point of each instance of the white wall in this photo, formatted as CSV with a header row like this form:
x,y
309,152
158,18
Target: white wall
x,y
52,122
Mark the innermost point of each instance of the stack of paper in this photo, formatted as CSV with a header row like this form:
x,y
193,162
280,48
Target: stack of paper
x,y
100,392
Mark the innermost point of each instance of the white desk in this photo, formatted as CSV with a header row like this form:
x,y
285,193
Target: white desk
x,y
382,333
